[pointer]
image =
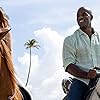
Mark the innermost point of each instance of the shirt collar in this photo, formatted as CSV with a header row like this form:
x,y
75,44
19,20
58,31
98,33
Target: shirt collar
x,y
83,33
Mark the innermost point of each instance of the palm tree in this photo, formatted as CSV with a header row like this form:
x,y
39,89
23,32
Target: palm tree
x,y
29,44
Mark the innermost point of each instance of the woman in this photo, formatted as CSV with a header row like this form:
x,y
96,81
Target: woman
x,y
9,89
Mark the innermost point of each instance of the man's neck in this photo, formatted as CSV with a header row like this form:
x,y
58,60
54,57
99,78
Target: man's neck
x,y
88,31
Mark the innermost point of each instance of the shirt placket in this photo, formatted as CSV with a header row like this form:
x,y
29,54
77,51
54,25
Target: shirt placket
x,y
93,55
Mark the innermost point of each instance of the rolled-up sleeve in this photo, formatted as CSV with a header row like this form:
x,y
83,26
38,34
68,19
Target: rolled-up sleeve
x,y
69,52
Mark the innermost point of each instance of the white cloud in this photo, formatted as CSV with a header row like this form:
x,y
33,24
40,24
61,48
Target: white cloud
x,y
71,30
49,35
24,65
25,60
50,88
46,82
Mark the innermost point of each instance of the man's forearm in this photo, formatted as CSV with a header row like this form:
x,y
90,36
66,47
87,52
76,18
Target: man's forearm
x,y
76,71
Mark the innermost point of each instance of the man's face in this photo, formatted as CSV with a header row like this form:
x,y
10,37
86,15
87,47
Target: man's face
x,y
83,18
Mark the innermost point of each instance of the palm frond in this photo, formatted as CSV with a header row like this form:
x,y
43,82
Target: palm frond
x,y
31,43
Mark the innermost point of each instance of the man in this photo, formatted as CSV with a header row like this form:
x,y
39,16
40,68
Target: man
x,y
81,53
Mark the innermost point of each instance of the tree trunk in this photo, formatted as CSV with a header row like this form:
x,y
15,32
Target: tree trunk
x,y
29,69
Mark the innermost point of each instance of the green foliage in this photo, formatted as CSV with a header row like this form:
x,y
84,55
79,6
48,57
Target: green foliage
x,y
31,43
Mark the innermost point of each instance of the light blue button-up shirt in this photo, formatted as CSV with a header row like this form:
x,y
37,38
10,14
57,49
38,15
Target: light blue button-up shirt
x,y
79,49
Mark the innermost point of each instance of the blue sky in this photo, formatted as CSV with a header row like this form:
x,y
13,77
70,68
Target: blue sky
x,y
49,22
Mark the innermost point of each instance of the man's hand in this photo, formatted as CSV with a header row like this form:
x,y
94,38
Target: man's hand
x,y
91,74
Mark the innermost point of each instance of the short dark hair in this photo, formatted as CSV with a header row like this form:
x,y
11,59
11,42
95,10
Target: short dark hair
x,y
88,10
